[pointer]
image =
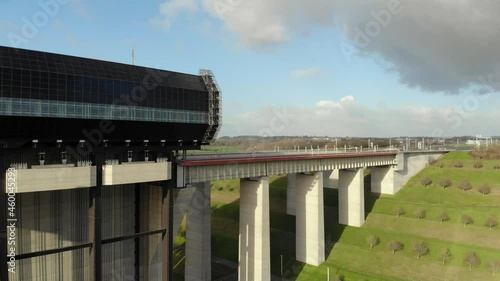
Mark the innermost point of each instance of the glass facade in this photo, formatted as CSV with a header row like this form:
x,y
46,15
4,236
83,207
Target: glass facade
x,y
50,85
61,109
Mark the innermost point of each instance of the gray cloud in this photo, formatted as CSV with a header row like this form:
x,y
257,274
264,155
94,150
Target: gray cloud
x,y
434,45
437,46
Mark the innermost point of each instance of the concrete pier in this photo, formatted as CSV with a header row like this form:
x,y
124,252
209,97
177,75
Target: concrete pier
x,y
382,180
309,227
351,197
182,204
254,240
331,179
198,248
290,194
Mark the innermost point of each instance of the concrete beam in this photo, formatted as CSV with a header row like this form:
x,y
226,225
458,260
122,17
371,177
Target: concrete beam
x,y
290,194
54,177
198,247
331,179
382,180
309,227
136,172
254,245
351,197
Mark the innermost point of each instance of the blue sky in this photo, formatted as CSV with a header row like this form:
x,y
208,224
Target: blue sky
x,y
418,74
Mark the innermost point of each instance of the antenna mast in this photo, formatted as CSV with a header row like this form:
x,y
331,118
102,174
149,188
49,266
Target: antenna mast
x,y
133,57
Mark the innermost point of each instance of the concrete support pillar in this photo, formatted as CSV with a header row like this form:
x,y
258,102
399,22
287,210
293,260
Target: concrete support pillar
x,y
290,194
331,179
382,180
254,245
309,226
198,248
181,205
351,197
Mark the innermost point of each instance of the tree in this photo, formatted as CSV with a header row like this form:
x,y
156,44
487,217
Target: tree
x,y
399,211
420,249
426,180
472,259
338,277
372,241
445,182
465,185
494,267
466,219
458,164
445,255
478,164
419,213
484,189
443,216
491,222
395,245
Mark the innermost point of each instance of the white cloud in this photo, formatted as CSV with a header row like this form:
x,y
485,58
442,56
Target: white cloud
x,y
348,118
347,99
170,9
304,73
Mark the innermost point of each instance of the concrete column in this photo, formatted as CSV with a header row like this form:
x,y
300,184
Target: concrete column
x,y
382,180
351,197
198,248
309,226
254,245
181,205
290,194
331,179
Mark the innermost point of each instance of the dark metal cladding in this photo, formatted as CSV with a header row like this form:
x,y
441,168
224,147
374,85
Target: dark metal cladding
x,y
49,96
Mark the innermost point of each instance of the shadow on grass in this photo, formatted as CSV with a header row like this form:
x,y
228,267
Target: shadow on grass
x,y
370,198
333,230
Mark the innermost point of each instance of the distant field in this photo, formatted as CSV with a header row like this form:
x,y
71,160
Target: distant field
x,y
349,254
208,149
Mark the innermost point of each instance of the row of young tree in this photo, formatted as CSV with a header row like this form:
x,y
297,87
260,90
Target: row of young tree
x,y
478,164
420,248
464,184
444,216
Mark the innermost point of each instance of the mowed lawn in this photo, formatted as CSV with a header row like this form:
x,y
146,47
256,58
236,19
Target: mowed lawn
x,y
352,252
348,252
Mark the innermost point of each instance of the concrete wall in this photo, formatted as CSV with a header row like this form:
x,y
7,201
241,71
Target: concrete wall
x,y
410,164
48,220
151,258
118,206
136,172
54,177
55,219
